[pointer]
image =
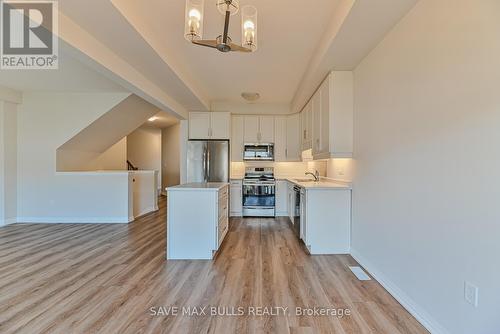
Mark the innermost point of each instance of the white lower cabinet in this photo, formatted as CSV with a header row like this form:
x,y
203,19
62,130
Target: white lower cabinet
x,y
197,221
223,216
281,198
291,200
326,221
236,207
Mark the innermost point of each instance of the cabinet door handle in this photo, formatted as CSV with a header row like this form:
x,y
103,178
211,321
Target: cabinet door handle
x,y
286,152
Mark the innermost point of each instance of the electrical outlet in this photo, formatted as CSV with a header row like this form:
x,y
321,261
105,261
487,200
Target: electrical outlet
x,y
471,294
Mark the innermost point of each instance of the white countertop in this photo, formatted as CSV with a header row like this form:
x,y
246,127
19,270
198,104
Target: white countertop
x,y
322,185
211,186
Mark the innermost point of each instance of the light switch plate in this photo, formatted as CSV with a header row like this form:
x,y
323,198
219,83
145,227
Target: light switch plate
x,y
471,294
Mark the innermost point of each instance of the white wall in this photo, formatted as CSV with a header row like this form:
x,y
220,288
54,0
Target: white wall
x,y
115,158
85,149
8,162
145,195
427,149
2,164
340,169
144,149
171,156
45,122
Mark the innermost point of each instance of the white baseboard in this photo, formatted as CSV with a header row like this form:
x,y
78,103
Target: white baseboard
x,y
8,222
409,304
146,211
74,220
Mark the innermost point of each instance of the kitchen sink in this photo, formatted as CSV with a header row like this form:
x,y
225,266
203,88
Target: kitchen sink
x,y
305,180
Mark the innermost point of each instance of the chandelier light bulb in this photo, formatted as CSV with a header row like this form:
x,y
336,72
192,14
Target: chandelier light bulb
x,y
195,14
249,25
193,28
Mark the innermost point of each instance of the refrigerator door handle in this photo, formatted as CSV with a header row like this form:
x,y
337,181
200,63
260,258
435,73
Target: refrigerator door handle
x,y
208,164
205,164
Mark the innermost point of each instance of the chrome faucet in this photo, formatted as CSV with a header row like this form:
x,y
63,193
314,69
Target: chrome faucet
x,y
315,175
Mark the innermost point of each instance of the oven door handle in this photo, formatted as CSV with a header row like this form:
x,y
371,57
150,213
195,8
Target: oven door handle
x,y
259,184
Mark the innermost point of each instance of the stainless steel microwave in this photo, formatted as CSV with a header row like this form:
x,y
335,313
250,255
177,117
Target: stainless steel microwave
x,y
258,152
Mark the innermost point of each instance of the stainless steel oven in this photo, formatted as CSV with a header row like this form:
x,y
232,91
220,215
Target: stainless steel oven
x,y
259,193
258,152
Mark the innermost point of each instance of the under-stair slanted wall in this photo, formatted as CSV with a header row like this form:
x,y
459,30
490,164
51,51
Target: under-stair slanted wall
x,y
82,151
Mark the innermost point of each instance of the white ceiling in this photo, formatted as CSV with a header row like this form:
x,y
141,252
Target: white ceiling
x,y
299,42
105,23
289,32
162,121
343,47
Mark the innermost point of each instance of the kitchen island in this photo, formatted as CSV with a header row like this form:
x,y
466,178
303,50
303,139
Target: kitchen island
x,y
197,220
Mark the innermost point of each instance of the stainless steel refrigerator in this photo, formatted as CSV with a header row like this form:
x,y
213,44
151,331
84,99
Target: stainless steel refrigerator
x,y
208,161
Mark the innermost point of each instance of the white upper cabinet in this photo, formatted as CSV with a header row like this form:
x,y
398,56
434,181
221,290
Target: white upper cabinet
x,y
251,129
283,131
332,117
220,125
341,114
324,127
266,129
209,125
237,140
287,138
316,122
293,149
306,126
199,125
259,129
280,135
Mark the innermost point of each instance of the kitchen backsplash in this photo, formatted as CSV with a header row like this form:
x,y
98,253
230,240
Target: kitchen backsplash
x,y
340,169
281,169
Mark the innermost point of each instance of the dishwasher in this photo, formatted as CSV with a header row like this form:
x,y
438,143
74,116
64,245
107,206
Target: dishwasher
x,y
297,211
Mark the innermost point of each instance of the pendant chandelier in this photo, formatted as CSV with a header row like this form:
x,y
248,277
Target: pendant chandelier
x,y
193,31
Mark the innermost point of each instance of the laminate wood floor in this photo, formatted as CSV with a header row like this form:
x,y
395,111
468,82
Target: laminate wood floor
x,y
104,278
